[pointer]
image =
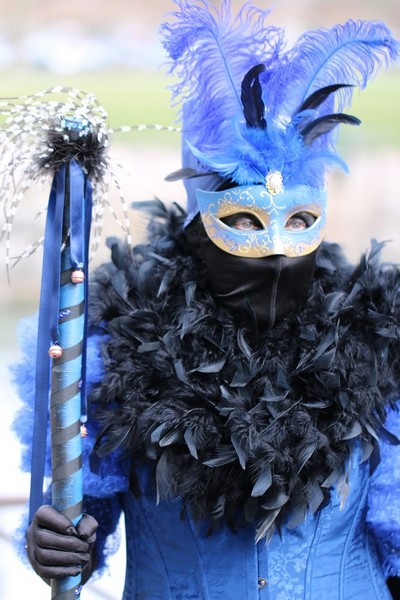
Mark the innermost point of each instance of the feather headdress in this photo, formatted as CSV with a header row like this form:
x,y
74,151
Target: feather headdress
x,y
250,106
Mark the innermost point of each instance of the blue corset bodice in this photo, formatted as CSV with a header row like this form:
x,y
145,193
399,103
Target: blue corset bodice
x,y
330,557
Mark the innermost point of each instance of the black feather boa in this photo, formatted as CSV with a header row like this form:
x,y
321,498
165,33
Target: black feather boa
x,y
243,425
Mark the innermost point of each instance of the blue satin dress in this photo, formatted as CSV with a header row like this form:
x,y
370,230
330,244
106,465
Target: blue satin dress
x,y
333,556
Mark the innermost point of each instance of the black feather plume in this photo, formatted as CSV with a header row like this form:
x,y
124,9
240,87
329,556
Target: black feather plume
x,y
317,98
251,97
186,173
325,124
66,143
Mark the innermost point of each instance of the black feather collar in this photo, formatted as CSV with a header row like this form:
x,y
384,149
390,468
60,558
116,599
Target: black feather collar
x,y
243,425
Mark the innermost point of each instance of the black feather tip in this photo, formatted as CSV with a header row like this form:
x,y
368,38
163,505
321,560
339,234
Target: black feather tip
x,y
74,139
251,97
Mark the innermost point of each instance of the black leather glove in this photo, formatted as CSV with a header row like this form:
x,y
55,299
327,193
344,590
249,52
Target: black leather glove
x,y
56,548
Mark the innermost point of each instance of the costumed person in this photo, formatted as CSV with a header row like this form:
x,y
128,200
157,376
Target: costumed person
x,y
244,377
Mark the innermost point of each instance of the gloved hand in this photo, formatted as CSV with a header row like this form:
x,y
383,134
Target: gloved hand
x,y
56,548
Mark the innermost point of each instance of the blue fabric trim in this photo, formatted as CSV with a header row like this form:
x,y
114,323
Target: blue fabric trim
x,y
47,333
78,231
107,512
383,515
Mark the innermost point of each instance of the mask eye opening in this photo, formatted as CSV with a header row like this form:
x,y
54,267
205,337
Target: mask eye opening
x,y
243,221
301,220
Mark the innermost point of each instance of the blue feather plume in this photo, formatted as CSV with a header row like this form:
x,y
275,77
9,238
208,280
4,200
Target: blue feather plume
x,y
211,53
304,89
348,54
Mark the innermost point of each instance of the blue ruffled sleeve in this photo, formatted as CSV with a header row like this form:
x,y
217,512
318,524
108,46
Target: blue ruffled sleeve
x,y
384,501
101,488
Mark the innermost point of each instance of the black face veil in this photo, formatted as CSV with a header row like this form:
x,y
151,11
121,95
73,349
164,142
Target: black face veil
x,y
264,290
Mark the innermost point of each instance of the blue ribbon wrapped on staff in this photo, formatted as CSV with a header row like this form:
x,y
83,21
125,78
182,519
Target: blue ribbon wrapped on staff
x,y
61,341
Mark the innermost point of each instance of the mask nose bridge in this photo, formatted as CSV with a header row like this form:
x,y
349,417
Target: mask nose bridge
x,y
276,231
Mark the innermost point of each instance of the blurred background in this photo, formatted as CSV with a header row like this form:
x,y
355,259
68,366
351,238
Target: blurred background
x,y
112,49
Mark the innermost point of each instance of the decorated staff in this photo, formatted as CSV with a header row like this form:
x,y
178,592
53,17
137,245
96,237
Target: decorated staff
x,y
60,134
67,399
58,139
64,138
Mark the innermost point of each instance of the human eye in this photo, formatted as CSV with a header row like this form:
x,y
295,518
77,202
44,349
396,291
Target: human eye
x,y
243,222
300,221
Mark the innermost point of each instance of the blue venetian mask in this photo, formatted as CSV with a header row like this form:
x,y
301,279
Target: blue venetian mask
x,y
272,208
